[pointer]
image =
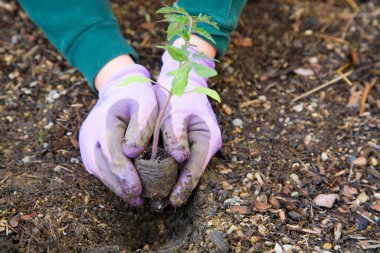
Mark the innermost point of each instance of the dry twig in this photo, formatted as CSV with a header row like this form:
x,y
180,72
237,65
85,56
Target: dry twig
x,y
300,229
340,73
322,86
353,5
368,88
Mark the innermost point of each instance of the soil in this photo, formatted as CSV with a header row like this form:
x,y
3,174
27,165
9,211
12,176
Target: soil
x,y
157,176
258,192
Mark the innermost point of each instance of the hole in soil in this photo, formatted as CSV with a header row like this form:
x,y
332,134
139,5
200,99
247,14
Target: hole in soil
x,y
163,232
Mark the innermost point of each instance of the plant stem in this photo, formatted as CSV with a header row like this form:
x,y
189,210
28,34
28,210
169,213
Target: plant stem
x,y
158,126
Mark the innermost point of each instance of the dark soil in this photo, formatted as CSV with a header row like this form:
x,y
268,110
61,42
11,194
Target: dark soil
x,y
157,176
257,193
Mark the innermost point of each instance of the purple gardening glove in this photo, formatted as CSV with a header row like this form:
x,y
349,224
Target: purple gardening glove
x,y
190,130
118,128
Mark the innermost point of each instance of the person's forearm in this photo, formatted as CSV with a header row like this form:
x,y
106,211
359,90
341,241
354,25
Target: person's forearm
x,y
84,31
224,12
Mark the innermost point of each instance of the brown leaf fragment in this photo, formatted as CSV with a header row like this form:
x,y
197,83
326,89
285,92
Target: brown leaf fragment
x,y
261,206
243,42
28,216
354,100
147,25
359,162
375,207
288,205
240,209
274,202
350,191
325,200
342,209
17,218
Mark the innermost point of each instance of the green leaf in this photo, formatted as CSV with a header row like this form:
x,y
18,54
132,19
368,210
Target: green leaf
x,y
203,71
201,56
180,80
209,92
204,33
177,54
180,10
174,9
166,10
176,18
135,79
175,29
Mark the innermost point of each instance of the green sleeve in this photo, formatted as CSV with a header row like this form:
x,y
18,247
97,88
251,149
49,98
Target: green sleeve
x,y
84,31
224,12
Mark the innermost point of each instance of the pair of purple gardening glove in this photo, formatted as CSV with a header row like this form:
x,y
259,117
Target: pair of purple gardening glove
x,y
121,124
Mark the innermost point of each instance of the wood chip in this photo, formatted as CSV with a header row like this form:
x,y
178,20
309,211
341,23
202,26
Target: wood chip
x,y
243,42
375,207
359,162
325,200
240,209
303,230
259,205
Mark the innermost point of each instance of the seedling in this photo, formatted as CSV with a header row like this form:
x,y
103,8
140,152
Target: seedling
x,y
181,25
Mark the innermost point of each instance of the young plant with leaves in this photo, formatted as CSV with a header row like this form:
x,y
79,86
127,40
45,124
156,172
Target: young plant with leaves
x,y
181,25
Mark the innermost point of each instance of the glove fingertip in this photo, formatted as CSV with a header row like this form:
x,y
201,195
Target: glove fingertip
x,y
131,186
180,154
131,150
136,201
182,191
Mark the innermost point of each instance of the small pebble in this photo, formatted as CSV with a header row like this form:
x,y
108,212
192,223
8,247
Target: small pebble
x,y
373,162
231,229
202,187
49,126
26,159
309,32
327,246
57,168
74,160
250,176
226,186
10,119
294,194
298,108
237,123
269,243
324,156
35,231
45,145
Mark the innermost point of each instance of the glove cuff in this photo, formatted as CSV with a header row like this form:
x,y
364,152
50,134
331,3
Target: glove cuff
x,y
120,75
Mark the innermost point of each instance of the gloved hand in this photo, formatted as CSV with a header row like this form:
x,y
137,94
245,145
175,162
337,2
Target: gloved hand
x,y
119,126
189,127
